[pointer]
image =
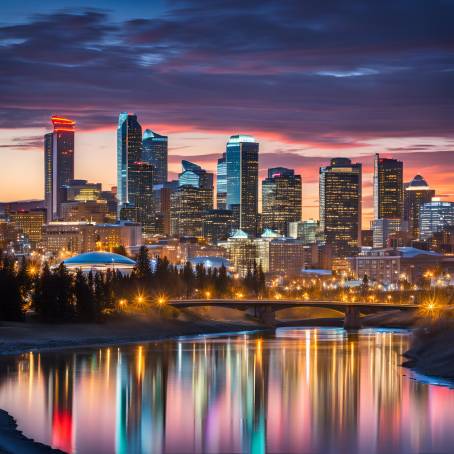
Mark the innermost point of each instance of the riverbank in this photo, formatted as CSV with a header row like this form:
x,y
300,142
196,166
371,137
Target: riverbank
x,y
432,350
16,338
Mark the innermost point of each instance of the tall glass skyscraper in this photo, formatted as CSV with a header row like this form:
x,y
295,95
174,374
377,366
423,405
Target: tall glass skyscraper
x,y
221,183
129,148
58,164
388,188
340,206
242,157
155,151
281,199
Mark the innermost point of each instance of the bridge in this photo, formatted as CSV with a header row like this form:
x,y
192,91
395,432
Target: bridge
x,y
265,309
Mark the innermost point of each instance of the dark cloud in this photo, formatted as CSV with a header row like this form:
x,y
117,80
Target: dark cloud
x,y
331,72
31,143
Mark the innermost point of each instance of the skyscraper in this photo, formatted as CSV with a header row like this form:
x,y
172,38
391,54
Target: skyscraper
x,y
221,183
388,188
155,151
416,193
129,148
58,163
191,200
141,209
242,181
281,199
340,206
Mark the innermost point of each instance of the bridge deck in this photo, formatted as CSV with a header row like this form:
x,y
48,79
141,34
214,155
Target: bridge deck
x,y
290,303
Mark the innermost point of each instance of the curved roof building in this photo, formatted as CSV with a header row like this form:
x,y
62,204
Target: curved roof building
x,y
100,261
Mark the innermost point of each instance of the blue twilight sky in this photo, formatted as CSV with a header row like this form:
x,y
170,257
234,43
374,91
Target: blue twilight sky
x,y
310,79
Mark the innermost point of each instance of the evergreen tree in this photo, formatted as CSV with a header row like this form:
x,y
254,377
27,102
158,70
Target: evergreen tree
x,y
85,304
188,279
99,295
64,290
11,302
222,281
45,296
143,268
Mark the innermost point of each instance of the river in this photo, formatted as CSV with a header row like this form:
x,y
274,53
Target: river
x,y
295,390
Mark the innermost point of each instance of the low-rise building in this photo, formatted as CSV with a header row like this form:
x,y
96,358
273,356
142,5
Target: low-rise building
x,y
78,237
388,266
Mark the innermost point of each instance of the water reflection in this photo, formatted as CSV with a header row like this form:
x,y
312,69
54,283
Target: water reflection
x,y
300,390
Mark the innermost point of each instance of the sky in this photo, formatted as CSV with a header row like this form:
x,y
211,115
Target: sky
x,y
310,80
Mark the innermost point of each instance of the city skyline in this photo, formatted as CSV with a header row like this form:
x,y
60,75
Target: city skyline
x,y
367,93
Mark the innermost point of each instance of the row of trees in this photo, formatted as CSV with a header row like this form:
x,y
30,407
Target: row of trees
x,y
58,295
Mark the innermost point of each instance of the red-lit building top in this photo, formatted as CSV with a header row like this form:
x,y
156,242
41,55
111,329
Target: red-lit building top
x,y
62,123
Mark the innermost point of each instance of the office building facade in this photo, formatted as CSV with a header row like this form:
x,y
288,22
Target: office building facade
x,y
388,188
221,183
141,208
435,216
416,193
281,199
155,152
58,163
340,206
129,150
242,181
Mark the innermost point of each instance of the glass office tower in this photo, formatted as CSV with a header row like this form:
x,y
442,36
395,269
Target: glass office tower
x,y
58,163
281,199
155,151
129,150
340,206
242,181
221,183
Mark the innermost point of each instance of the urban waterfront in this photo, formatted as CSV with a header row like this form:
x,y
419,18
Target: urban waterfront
x,y
305,390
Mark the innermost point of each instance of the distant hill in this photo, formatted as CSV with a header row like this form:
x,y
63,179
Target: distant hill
x,y
21,205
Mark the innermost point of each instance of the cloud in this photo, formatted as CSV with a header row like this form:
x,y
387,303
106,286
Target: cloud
x,y
266,67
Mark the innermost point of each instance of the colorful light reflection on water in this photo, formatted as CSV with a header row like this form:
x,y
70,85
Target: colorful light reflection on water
x,y
298,390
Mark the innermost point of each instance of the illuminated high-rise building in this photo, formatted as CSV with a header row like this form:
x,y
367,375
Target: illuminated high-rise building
x,y
340,206
221,183
58,163
188,205
129,150
416,193
281,199
388,188
191,200
141,208
242,181
155,151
